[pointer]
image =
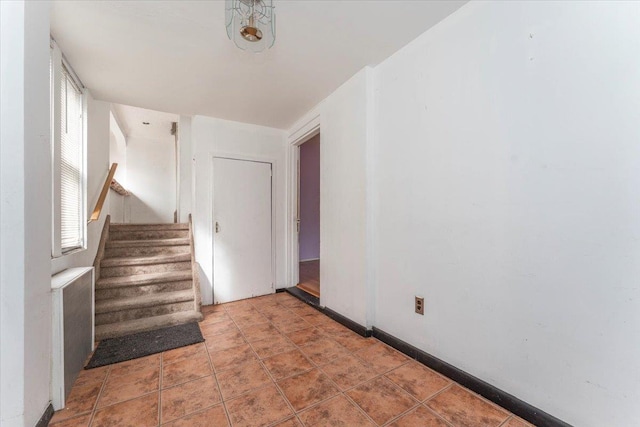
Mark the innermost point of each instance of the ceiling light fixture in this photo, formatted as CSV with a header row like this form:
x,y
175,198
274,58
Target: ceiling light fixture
x,y
251,24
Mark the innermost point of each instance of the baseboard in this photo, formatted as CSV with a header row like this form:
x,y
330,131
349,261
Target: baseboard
x,y
315,303
488,391
304,296
46,417
345,321
499,397
309,259
280,290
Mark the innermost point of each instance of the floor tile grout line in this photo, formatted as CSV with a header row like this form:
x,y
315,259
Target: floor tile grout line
x,y
160,376
397,417
294,412
320,402
359,408
284,398
504,423
436,395
452,383
188,381
352,353
439,393
481,397
418,403
432,395
202,344
215,377
282,395
341,392
328,328
315,366
275,383
437,415
244,393
192,413
95,404
124,401
449,381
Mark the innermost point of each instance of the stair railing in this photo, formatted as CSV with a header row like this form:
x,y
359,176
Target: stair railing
x,y
103,194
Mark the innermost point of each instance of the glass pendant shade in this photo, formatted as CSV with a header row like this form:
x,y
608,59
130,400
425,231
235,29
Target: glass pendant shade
x,y
251,24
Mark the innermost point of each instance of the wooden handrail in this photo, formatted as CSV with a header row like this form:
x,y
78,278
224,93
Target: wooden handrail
x,y
103,194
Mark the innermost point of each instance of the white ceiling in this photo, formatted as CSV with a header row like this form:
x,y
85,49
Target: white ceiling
x,y
132,120
175,55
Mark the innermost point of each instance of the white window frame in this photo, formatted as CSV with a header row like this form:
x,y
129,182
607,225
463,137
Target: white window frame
x,y
57,62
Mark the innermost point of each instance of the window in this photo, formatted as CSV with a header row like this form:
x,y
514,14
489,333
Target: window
x,y
71,144
67,106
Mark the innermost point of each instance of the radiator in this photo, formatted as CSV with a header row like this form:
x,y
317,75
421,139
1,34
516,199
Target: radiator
x,y
73,329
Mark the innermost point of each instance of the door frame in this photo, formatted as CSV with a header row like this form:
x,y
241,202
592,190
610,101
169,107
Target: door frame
x,y
274,170
301,134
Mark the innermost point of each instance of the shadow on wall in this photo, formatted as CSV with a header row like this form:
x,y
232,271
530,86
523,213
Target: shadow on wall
x,y
206,287
141,212
119,207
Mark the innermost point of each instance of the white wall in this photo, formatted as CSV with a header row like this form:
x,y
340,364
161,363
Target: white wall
x,y
343,196
116,201
506,164
98,135
117,149
118,204
217,136
151,179
25,213
185,159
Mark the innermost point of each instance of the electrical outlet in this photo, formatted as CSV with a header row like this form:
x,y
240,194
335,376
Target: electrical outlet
x,y
420,305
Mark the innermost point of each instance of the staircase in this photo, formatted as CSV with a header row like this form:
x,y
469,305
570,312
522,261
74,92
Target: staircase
x,y
145,279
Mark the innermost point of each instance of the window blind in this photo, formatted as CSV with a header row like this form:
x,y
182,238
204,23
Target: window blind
x,y
71,163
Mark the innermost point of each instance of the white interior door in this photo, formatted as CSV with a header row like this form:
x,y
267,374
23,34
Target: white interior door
x,y
242,248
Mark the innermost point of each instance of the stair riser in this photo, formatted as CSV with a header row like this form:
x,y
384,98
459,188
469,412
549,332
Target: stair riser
x,y
147,227
111,330
146,235
136,291
158,259
143,269
139,313
146,250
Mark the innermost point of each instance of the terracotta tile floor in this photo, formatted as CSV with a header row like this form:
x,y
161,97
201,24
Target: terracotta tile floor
x,y
274,361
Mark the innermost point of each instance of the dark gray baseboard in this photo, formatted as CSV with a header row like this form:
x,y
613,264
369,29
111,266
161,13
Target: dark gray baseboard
x,y
345,321
499,397
315,303
304,296
45,419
